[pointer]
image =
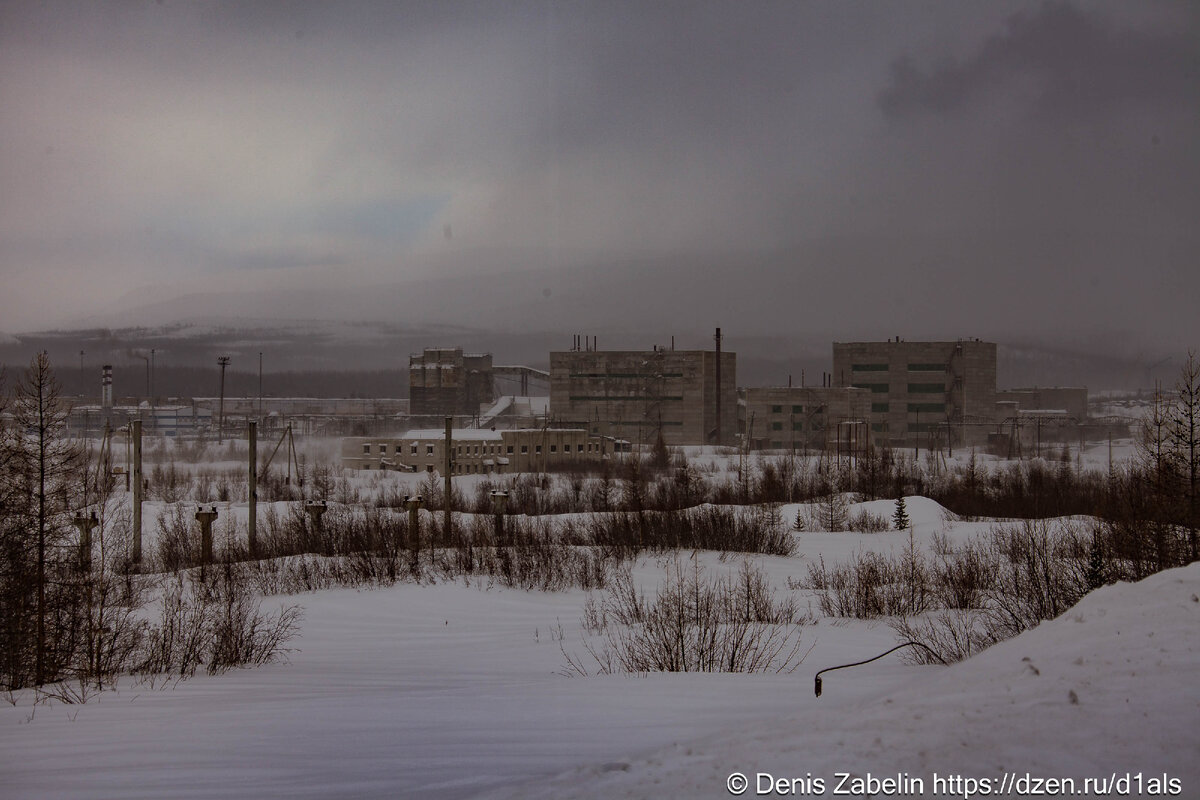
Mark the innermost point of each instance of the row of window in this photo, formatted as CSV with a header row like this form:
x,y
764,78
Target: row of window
x,y
482,450
797,426
913,388
778,409
626,375
911,367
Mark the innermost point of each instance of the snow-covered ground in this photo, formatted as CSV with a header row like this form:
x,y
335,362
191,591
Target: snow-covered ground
x,y
456,690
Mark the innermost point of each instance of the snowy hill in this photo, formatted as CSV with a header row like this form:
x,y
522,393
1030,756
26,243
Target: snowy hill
x,y
1107,690
457,691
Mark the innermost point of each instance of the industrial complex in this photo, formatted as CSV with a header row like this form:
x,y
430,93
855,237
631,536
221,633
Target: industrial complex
x,y
592,403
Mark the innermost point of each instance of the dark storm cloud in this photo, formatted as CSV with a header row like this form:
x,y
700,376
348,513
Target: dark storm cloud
x,y
1080,63
267,144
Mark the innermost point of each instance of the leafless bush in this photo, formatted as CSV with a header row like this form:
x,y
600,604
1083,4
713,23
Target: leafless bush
x,y
694,624
953,634
865,522
218,625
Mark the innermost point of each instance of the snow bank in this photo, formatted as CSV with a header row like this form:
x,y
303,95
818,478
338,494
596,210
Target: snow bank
x,y
1108,688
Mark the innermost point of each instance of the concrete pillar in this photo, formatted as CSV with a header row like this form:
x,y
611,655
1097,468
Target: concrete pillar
x,y
413,503
499,501
206,515
85,526
315,510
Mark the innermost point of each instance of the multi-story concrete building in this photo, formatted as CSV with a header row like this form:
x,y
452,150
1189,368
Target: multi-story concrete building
x,y
923,391
804,418
445,381
689,395
475,451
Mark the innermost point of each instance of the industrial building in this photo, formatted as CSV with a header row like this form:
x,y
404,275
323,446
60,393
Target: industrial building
x,y
475,451
1069,400
444,380
804,418
940,393
688,395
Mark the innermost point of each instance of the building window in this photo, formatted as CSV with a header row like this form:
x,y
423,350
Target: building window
x,y
366,449
876,388
537,449
776,426
797,409
553,448
524,449
428,449
510,450
926,367
797,426
868,367
926,388
776,445
922,407
879,427
578,448
776,409
877,408
399,449
413,450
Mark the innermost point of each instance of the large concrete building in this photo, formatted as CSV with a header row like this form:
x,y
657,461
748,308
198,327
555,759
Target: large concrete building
x,y
805,418
689,395
475,451
923,391
444,380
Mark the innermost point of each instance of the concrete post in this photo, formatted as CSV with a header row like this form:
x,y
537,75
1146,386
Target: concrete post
x,y
206,517
135,431
315,510
499,501
252,524
413,503
85,526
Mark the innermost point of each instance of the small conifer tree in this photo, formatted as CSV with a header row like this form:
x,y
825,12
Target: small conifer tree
x,y
900,517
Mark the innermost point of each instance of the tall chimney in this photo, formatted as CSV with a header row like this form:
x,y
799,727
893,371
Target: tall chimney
x,y
717,338
106,400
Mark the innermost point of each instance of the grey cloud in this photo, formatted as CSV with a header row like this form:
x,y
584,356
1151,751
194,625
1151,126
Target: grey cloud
x,y
1081,62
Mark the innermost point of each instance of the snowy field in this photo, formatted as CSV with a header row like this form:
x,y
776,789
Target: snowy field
x,y
455,690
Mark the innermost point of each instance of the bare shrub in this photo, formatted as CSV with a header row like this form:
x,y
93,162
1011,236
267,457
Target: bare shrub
x,y
865,522
694,624
953,634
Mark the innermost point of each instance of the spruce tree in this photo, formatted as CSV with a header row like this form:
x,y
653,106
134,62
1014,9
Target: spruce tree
x,y
900,517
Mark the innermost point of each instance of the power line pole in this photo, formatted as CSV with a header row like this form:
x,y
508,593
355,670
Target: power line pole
x,y
223,361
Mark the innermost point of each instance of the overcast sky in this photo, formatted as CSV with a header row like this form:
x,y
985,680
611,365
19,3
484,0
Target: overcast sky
x,y
1008,161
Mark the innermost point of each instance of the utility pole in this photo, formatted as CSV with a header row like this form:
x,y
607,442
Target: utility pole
x,y
136,433
449,464
223,361
260,384
252,524
82,383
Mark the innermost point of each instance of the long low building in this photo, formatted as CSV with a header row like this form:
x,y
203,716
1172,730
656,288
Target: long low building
x,y
475,451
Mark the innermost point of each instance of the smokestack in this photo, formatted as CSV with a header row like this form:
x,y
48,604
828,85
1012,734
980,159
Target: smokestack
x,y
106,400
717,338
